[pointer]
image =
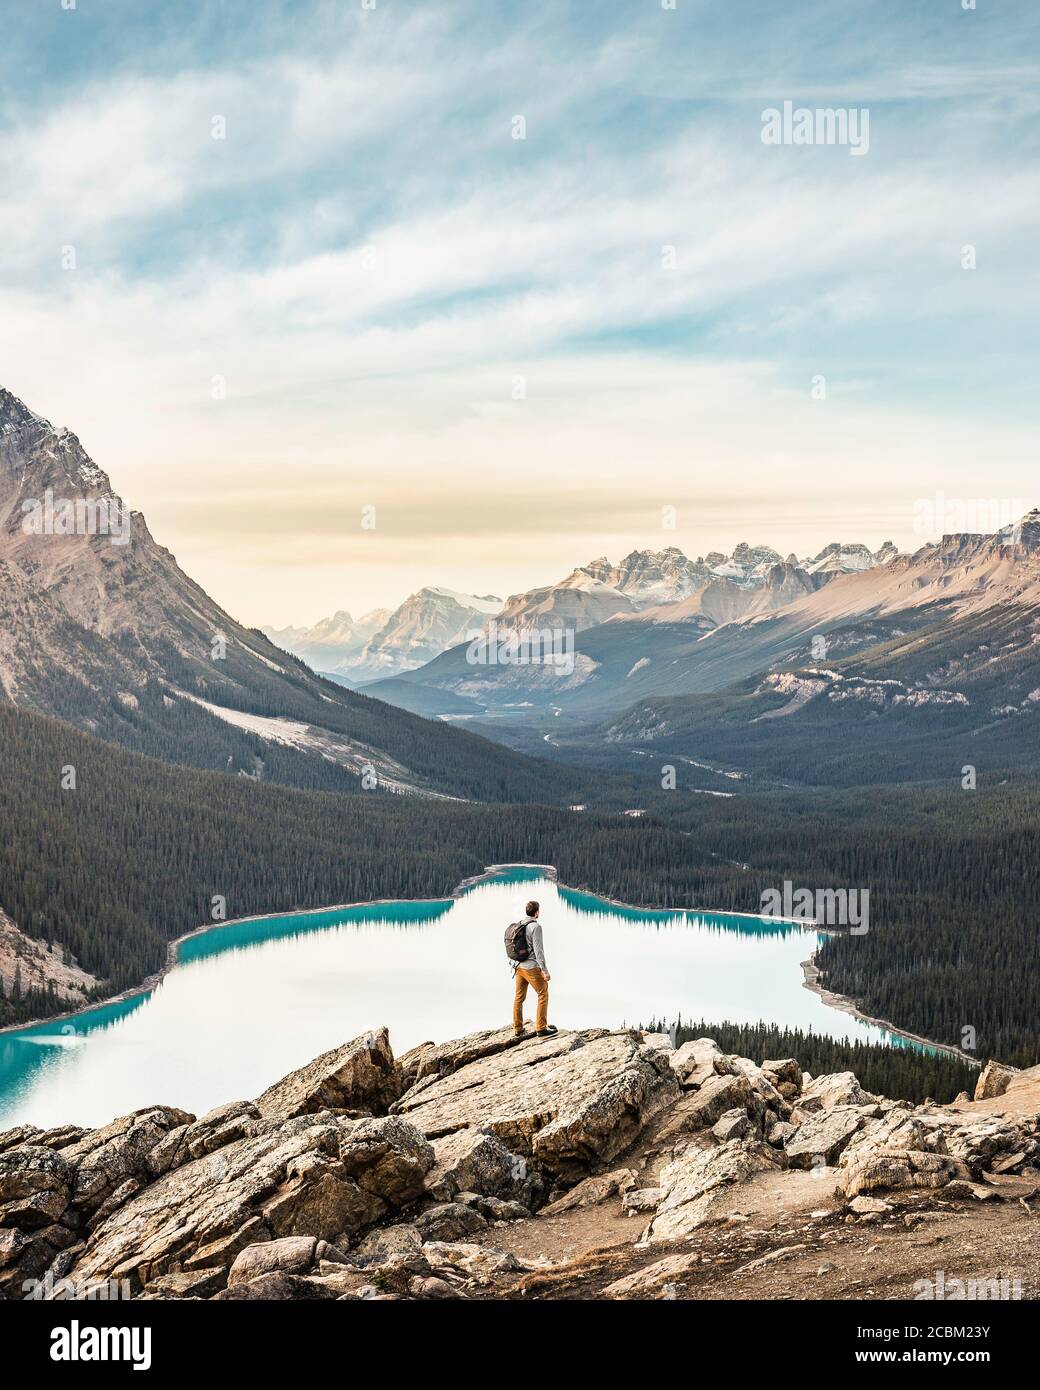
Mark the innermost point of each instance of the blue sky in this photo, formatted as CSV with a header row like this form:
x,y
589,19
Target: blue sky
x,y
369,263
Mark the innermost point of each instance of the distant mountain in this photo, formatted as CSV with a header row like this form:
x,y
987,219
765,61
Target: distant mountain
x,y
100,627
387,641
846,600
334,643
924,670
384,645
634,626
644,579
849,559
426,624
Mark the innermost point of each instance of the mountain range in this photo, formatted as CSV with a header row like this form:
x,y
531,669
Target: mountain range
x,y
741,675
854,666
99,626
849,665
433,620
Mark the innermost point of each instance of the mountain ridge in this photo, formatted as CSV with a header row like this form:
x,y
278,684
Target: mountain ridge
x,y
99,626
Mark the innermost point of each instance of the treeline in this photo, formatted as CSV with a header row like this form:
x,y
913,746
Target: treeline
x,y
137,853
18,1004
901,1073
953,879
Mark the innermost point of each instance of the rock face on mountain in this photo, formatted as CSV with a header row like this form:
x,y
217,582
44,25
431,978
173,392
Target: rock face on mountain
x,y
361,1177
77,565
426,624
100,627
387,641
27,964
563,1102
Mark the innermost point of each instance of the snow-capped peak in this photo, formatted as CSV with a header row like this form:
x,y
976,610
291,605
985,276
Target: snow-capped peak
x,y
478,603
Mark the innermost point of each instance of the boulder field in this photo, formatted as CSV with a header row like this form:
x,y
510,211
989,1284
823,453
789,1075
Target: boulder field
x,y
362,1176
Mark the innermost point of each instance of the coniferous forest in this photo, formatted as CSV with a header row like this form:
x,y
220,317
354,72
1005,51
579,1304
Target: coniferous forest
x,y
134,855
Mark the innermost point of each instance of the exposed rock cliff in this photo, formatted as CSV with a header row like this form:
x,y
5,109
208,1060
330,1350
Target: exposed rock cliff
x,y
593,1163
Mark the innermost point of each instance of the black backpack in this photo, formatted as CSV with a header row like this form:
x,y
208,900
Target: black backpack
x,y
516,941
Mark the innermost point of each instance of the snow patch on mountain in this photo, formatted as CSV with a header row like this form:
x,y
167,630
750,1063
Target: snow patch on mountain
x,y
802,687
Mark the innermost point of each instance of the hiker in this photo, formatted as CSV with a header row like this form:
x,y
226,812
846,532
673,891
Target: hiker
x,y
527,957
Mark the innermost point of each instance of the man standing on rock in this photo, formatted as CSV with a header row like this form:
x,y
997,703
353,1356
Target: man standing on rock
x,y
527,954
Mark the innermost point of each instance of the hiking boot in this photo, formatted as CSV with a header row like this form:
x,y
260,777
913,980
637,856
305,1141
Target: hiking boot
x,y
546,1032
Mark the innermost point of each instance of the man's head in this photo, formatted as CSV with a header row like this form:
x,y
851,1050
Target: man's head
x,y
532,908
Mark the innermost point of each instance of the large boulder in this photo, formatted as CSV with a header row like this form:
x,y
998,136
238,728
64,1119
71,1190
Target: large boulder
x,y
35,1187
477,1261
104,1159
293,1254
387,1241
388,1157
448,1221
839,1088
360,1076
715,1097
822,1137
567,1102
591,1191
652,1280
694,1061
880,1170
210,1132
471,1161
697,1185
786,1076
994,1080
320,1175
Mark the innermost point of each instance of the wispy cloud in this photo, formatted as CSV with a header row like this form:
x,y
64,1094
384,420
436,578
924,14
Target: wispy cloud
x,y
409,307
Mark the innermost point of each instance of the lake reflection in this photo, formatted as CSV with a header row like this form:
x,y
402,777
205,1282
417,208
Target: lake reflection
x,y
250,1001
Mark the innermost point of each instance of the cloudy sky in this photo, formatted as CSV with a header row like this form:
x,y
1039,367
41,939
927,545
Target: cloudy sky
x,y
370,293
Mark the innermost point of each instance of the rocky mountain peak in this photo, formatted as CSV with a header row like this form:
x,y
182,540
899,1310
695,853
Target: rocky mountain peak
x,y
43,456
15,414
1025,532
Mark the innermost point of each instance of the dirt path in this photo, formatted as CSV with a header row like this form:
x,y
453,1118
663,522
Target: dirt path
x,y
788,1235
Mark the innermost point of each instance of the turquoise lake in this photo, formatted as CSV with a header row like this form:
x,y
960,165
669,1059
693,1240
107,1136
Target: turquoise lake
x,y
251,1000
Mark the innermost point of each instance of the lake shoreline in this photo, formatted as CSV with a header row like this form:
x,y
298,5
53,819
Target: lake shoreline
x,y
843,1004
490,871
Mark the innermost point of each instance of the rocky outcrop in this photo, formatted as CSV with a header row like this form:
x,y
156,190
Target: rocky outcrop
x,y
172,1204
698,1183
994,1080
564,1102
359,1076
472,1161
360,1176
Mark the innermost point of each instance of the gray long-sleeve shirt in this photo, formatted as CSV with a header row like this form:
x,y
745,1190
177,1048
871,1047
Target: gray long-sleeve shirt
x,y
536,958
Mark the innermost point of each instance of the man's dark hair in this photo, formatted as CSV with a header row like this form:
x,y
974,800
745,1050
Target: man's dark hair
x,y
532,908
